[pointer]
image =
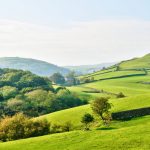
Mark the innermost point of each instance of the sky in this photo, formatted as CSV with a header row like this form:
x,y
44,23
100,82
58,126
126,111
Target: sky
x,y
75,32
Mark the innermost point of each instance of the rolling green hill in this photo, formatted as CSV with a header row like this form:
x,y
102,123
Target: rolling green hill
x,y
143,62
38,67
130,79
132,134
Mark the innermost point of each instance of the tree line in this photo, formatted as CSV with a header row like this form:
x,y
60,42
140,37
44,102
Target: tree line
x,y
22,91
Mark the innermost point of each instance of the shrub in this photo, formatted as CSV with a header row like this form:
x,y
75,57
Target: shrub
x,y
87,119
67,126
58,128
20,126
120,95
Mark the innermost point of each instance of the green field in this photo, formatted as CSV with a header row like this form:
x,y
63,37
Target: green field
x,y
74,114
132,135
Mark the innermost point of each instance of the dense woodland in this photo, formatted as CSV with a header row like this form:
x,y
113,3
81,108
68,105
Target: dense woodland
x,y
22,91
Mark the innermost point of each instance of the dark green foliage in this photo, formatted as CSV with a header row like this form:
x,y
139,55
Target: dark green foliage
x,y
1,97
120,95
20,126
22,91
57,78
87,119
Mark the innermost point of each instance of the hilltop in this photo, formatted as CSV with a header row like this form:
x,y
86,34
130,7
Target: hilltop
x,y
38,67
85,69
136,63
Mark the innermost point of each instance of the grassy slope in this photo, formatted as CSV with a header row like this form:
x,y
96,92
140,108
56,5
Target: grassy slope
x,y
74,114
132,134
143,62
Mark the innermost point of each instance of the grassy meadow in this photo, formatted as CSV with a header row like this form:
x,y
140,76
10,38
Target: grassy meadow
x,y
121,135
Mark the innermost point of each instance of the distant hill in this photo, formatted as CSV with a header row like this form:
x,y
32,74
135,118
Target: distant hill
x,y
35,66
86,69
136,63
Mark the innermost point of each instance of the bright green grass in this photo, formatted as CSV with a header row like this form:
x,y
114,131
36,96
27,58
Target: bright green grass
x,y
117,74
143,62
74,114
128,85
130,135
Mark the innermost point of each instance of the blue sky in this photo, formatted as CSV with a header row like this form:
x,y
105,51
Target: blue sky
x,y
64,11
74,32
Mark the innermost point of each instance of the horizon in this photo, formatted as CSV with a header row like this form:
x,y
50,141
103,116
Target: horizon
x,y
55,32
77,65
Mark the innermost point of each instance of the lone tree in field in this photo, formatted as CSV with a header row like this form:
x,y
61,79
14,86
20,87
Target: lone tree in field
x,y
87,119
101,107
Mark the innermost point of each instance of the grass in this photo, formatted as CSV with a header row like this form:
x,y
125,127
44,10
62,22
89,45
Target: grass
x,y
143,62
127,135
74,114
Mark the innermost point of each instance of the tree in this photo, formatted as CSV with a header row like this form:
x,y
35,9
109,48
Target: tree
x,y
101,107
57,78
87,119
71,80
117,68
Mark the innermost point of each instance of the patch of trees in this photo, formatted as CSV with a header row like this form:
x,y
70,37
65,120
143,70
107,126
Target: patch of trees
x,y
100,107
22,91
20,126
69,80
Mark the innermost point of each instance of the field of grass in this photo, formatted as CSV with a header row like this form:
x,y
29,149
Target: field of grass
x,y
117,74
128,85
133,135
143,62
74,114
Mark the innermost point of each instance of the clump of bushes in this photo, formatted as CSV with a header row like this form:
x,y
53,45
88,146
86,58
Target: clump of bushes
x,y
120,95
20,126
87,80
58,128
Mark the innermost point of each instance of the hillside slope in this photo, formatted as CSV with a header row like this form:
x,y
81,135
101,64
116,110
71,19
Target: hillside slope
x,y
142,62
35,66
85,69
132,134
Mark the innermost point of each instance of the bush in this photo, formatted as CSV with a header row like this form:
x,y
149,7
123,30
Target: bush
x,y
120,95
67,126
87,119
58,128
20,126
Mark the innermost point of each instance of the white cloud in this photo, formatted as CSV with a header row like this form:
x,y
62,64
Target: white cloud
x,y
78,43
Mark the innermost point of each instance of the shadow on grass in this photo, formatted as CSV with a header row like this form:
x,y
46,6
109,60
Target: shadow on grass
x,y
106,128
